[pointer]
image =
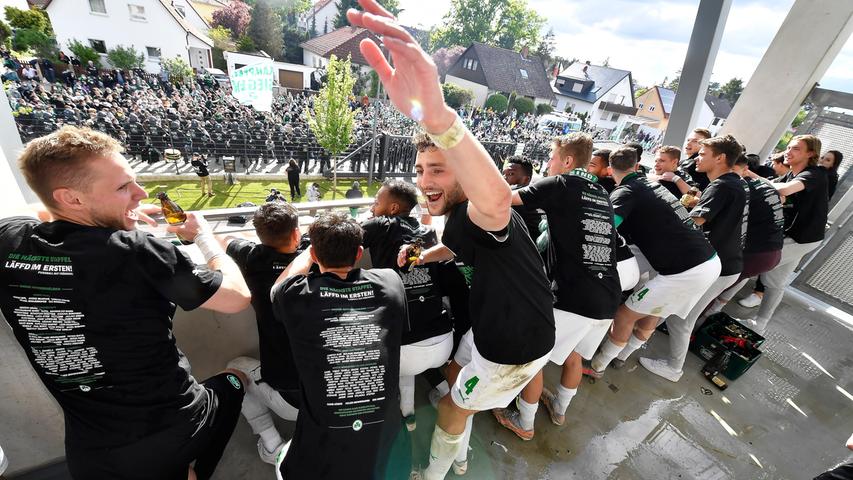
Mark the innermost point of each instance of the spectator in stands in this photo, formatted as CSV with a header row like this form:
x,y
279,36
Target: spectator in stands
x,y
830,161
129,402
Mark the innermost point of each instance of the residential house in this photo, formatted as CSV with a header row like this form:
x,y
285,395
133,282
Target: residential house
x,y
342,42
321,16
153,27
192,14
604,94
656,104
486,70
206,8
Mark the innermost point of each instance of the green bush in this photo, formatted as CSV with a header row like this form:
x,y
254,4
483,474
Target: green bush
x,y
524,105
5,33
544,108
179,70
456,96
84,52
28,19
246,44
497,103
125,58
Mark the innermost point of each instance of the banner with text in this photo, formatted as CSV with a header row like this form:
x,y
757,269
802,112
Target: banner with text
x,y
252,85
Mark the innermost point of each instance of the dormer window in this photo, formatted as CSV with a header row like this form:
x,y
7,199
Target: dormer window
x,y
560,82
577,87
523,73
470,64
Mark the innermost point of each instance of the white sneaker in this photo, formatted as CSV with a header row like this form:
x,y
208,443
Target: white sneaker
x,y
661,368
266,455
750,301
460,468
248,365
4,462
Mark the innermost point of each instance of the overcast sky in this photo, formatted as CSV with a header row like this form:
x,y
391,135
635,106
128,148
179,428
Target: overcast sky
x,y
649,37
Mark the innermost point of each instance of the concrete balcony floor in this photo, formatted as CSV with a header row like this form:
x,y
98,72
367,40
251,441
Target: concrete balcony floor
x,y
787,418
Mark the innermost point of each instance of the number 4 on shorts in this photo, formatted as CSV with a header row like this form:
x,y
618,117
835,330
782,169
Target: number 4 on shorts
x,y
470,384
642,293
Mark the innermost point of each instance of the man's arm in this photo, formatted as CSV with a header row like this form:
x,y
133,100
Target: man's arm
x,y
436,253
789,188
413,86
233,295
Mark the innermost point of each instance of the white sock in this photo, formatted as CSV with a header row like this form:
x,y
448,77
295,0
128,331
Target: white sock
x,y
462,454
527,413
605,355
442,451
271,439
442,388
564,398
634,343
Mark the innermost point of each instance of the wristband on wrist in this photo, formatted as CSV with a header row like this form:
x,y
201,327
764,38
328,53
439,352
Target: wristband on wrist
x,y
450,137
209,247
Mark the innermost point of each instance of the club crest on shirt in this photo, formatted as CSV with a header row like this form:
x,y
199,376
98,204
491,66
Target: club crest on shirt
x,y
356,425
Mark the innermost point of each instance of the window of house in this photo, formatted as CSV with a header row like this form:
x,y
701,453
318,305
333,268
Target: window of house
x,y
577,87
614,117
97,6
716,121
137,12
523,72
180,9
470,64
641,106
651,108
561,82
153,52
98,45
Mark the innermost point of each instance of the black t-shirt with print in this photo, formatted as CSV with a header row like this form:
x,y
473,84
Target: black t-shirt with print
x,y
766,222
580,220
532,217
806,210
261,266
655,221
608,183
345,336
200,168
700,179
673,186
383,237
511,303
725,207
92,308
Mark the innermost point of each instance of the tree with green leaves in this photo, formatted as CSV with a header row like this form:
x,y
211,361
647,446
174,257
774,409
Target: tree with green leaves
x,y
222,42
456,96
84,52
672,84
246,44
179,70
523,106
543,108
509,24
5,33
265,29
32,19
125,58
332,120
392,6
34,42
732,89
496,102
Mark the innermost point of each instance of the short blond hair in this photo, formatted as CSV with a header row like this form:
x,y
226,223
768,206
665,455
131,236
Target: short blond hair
x,y
59,160
578,145
673,152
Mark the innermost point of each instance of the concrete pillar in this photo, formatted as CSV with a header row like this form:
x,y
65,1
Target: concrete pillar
x,y
804,47
12,183
696,72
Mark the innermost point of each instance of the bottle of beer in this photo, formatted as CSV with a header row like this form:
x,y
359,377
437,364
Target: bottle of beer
x,y
714,368
173,213
690,197
414,253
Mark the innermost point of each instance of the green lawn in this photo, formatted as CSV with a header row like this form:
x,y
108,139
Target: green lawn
x,y
188,194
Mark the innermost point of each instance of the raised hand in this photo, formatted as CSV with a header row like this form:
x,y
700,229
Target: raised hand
x,y
412,83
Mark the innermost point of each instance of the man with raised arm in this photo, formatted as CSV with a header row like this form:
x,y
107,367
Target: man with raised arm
x,y
511,336
91,301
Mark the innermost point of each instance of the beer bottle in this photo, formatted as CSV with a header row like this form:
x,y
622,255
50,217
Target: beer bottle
x,y
173,213
714,368
414,253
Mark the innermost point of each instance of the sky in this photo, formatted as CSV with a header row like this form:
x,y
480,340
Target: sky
x,y
650,37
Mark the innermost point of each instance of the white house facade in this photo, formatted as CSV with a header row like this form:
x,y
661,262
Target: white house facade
x,y
153,27
605,94
322,15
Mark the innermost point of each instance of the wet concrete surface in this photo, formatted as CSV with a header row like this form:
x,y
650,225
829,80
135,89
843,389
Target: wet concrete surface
x,y
786,418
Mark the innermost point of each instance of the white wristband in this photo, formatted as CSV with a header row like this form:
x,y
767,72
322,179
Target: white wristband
x,y
208,245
